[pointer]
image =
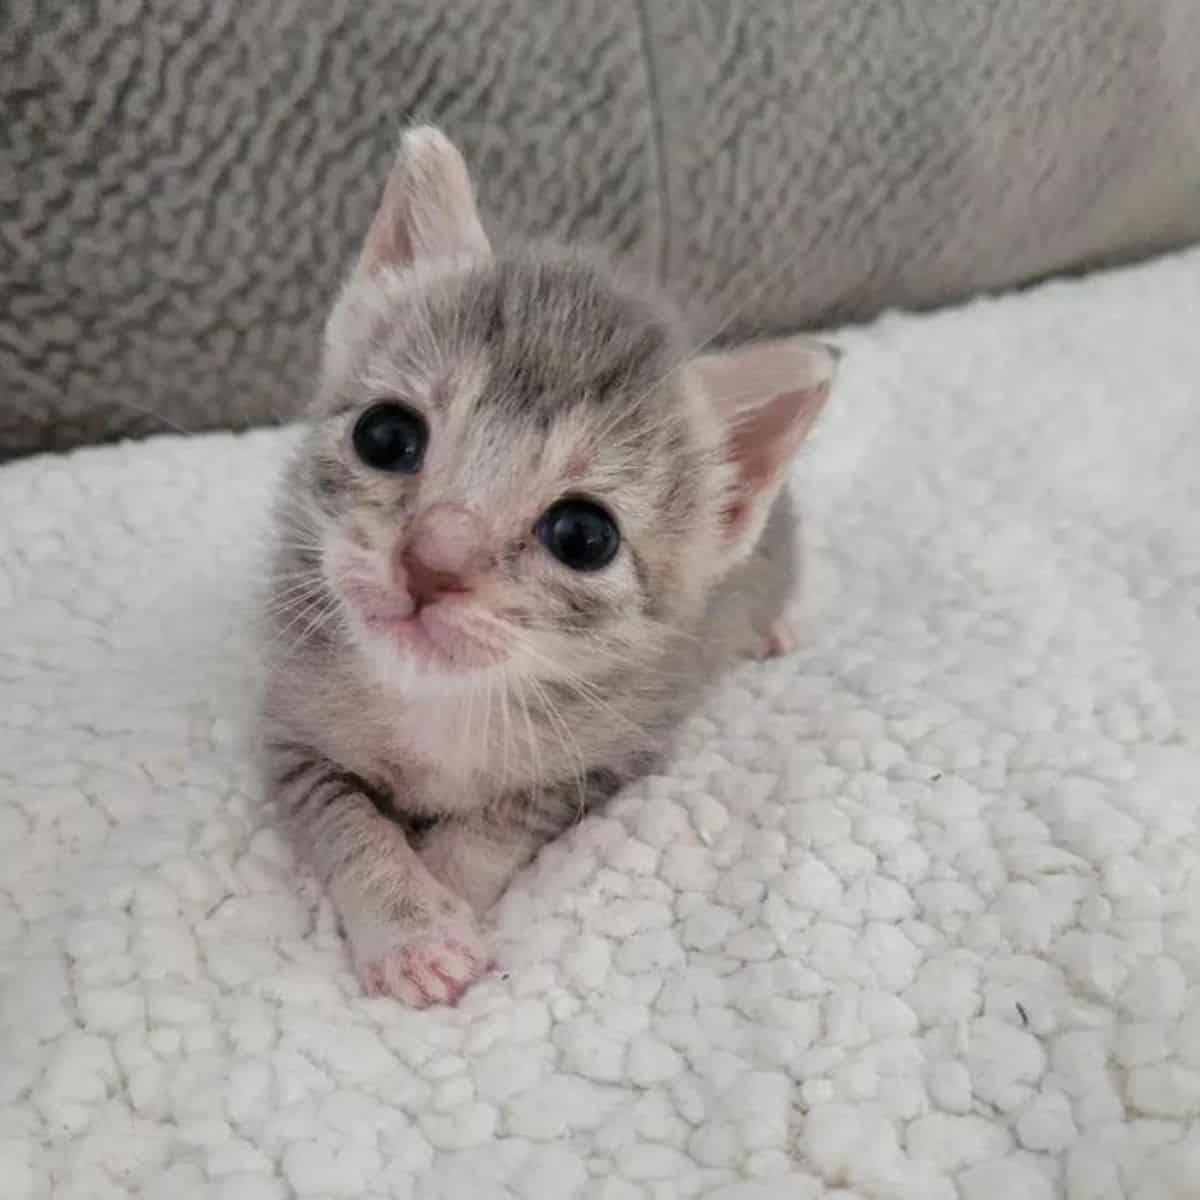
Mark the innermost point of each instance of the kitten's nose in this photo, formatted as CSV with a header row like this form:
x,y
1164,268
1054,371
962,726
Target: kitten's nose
x,y
446,549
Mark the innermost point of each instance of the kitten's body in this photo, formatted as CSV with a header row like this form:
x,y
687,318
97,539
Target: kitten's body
x,y
424,751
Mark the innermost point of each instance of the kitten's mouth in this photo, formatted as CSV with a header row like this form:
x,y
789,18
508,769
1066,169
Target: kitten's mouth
x,y
446,633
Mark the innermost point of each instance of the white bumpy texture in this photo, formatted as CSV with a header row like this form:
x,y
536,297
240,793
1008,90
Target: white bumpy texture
x,y
914,915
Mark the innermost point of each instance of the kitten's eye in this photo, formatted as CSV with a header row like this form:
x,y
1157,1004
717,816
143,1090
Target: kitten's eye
x,y
580,534
390,436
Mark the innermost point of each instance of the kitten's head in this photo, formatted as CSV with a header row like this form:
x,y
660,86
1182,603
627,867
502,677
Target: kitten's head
x,y
514,463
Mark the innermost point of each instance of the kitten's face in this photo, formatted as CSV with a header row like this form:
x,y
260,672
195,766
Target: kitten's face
x,y
511,466
509,473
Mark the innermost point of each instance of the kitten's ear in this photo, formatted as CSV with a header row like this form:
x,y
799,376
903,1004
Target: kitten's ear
x,y
428,207
767,396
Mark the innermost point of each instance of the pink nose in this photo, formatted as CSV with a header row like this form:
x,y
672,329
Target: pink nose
x,y
445,551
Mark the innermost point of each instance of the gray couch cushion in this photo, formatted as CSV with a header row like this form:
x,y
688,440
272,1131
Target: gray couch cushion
x,y
829,158
183,189
181,185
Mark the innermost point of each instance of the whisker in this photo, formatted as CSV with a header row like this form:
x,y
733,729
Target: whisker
x,y
697,348
487,713
149,412
309,547
580,687
295,605
506,697
534,749
612,656
569,744
301,581
332,605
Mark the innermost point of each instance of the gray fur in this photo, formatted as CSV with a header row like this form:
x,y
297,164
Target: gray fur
x,y
524,308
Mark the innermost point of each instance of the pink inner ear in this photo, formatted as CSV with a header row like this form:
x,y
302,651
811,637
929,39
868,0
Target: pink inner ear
x,y
763,441
767,395
767,436
428,207
389,240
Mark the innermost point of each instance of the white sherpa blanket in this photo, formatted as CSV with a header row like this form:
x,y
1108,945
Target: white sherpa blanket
x,y
915,915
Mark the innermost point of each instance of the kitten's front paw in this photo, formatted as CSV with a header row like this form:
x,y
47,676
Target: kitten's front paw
x,y
424,970
426,965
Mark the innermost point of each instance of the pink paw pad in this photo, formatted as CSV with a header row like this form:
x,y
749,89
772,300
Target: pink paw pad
x,y
425,971
780,639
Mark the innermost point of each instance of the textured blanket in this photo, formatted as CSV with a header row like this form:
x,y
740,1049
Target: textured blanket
x,y
914,915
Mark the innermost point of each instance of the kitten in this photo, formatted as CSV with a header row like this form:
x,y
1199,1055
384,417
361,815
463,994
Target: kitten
x,y
524,530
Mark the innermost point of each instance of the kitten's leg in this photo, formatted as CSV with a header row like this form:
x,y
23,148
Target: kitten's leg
x,y
411,937
477,857
773,584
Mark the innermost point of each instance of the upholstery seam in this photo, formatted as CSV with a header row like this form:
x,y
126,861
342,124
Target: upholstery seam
x,y
658,146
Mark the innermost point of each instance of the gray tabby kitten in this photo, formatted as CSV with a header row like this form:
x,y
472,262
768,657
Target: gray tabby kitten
x,y
524,530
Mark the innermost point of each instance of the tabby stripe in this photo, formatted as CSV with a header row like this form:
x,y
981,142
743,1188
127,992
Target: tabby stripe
x,y
329,786
287,778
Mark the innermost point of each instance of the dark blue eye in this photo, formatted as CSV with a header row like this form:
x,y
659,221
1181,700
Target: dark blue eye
x,y
390,436
580,534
